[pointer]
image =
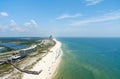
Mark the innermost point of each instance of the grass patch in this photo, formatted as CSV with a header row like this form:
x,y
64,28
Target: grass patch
x,y
5,69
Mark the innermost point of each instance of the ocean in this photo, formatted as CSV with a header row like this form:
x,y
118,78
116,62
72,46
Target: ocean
x,y
90,58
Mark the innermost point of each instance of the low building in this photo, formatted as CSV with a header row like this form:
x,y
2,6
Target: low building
x,y
25,52
14,58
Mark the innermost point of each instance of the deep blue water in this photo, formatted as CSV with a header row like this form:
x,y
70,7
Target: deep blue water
x,y
13,46
90,58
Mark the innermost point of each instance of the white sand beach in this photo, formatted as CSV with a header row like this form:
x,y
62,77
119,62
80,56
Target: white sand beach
x,y
48,64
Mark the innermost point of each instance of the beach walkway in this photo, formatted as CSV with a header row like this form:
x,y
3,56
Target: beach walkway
x,y
27,71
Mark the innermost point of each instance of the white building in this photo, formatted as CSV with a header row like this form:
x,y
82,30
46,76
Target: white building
x,y
25,52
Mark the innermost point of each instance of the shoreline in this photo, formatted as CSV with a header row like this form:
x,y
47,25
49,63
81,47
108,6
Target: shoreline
x,y
58,65
48,64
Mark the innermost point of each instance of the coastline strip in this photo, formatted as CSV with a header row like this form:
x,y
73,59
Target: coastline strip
x,y
48,64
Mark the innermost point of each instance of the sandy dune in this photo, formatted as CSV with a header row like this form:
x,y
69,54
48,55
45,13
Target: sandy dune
x,y
48,64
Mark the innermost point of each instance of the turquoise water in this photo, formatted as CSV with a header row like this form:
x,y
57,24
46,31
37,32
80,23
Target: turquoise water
x,y
90,58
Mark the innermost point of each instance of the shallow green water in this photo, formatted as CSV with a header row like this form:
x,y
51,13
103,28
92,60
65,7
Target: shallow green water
x,y
90,58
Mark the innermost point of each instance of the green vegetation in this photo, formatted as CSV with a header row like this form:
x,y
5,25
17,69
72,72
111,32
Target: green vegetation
x,y
39,53
7,49
42,47
27,62
5,69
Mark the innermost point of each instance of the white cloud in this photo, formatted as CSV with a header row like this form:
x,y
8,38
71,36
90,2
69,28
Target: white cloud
x,y
18,29
92,2
13,26
106,17
64,16
13,23
27,24
33,22
3,14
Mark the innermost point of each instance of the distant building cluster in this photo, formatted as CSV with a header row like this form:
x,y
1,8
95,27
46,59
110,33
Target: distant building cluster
x,y
51,37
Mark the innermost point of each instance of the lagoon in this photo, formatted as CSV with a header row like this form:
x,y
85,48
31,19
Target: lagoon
x,y
13,46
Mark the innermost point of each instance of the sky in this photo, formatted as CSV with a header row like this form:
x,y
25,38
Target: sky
x,y
60,18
